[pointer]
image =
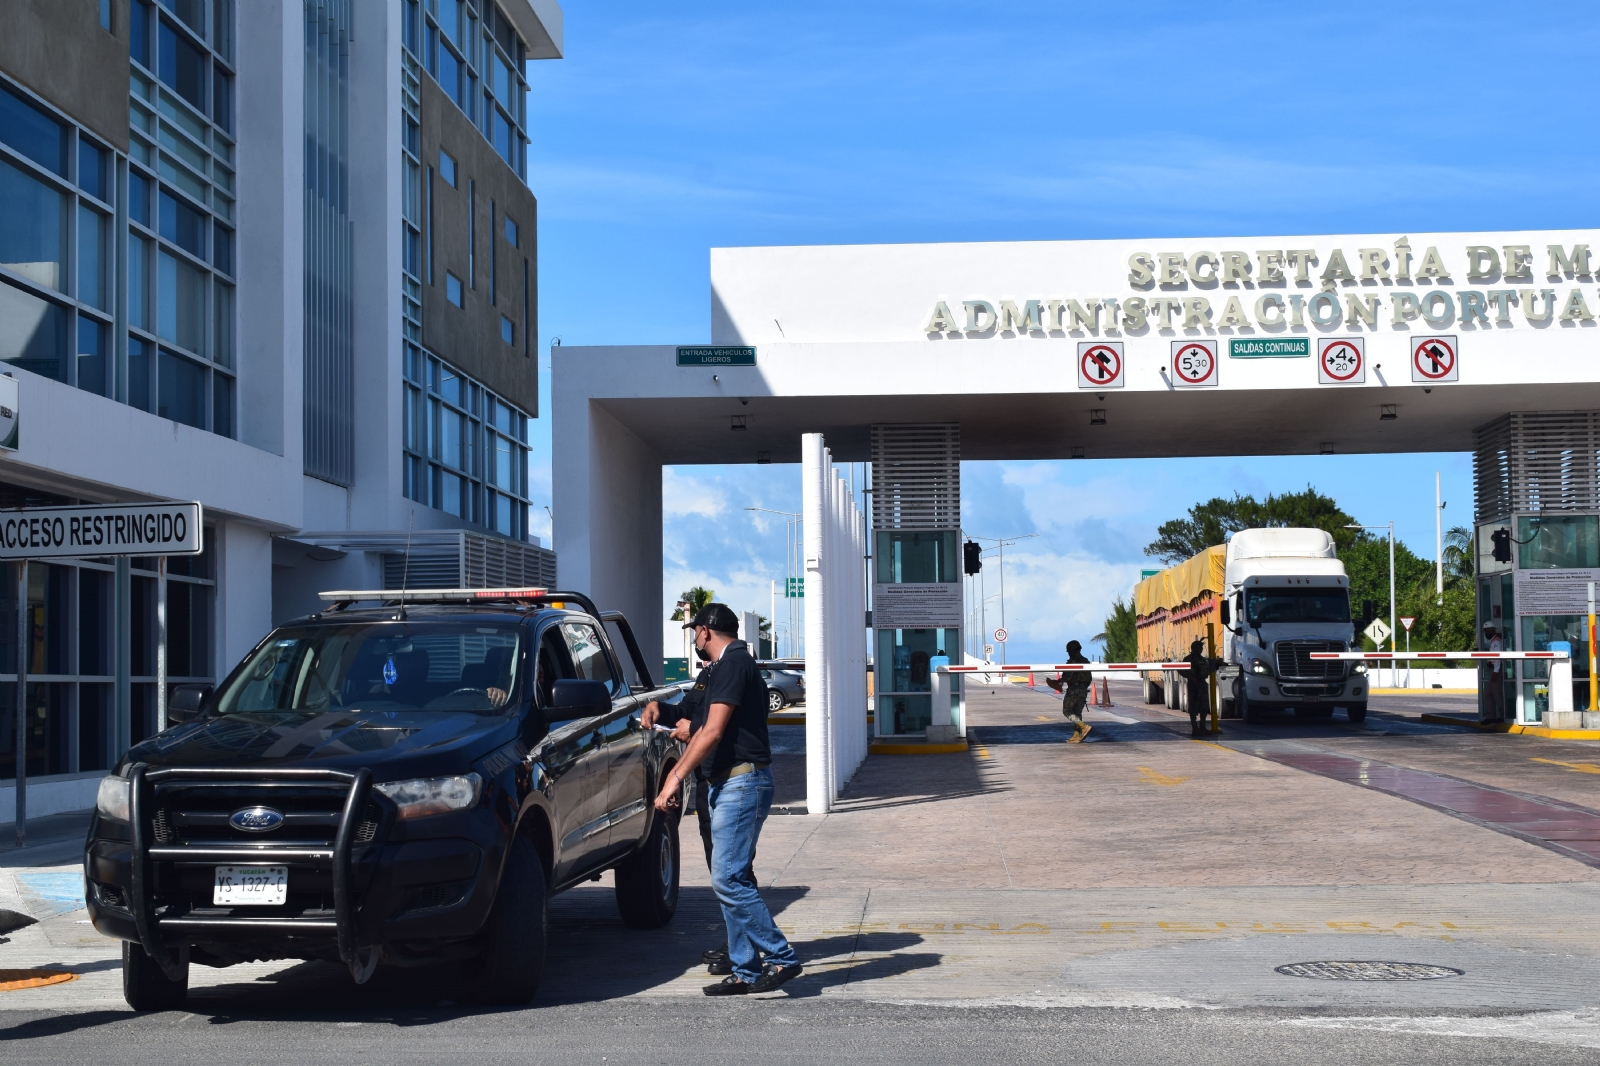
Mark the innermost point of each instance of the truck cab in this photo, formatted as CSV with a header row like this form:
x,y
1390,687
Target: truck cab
x,y
1286,595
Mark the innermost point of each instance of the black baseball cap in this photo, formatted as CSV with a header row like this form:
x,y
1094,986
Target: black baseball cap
x,y
718,616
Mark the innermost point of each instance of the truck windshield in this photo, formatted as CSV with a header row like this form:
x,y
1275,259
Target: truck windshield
x,y
1265,606
401,666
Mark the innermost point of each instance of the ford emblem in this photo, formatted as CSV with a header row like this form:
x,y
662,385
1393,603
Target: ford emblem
x,y
256,819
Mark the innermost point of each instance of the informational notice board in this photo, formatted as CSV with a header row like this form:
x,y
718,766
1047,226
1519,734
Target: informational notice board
x,y
1553,591
916,606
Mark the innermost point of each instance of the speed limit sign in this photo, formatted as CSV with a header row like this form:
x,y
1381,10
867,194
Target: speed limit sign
x,y
1342,361
1194,363
1000,635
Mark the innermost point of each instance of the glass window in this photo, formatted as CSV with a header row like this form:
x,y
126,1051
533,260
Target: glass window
x,y
450,486
33,333
91,257
182,314
222,405
223,313
139,198
502,80
32,227
452,290
183,391
91,355
92,170
183,225
447,167
502,136
910,556
450,19
512,234
1550,542
508,330
183,67
222,99
138,374
192,12
138,282
222,249
32,132
417,666
450,427
413,137
105,15
450,75
1269,605
139,32
588,654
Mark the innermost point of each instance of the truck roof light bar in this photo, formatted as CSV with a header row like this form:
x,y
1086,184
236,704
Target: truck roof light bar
x,y
432,595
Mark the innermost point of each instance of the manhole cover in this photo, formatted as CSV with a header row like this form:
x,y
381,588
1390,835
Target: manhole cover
x,y
1368,971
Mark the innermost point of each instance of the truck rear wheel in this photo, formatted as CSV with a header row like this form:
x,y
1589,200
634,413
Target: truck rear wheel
x,y
1169,691
647,880
512,963
1152,691
146,986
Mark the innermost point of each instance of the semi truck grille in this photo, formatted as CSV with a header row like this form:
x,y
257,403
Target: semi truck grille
x,y
1295,662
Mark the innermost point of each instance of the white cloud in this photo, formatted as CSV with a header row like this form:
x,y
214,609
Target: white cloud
x,y
683,494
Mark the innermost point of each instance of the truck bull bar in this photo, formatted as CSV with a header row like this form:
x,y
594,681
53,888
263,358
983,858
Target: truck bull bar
x,y
142,782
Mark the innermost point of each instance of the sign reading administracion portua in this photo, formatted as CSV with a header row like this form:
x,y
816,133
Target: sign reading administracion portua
x,y
101,529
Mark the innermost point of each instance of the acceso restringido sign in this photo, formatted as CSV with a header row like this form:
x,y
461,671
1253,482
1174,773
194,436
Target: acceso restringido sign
x,y
101,529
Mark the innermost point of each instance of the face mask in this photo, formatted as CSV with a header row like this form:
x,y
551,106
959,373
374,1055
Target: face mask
x,y
701,654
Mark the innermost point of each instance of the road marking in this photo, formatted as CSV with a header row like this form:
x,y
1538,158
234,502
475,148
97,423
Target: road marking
x,y
1213,744
983,752
1159,779
1043,718
1575,767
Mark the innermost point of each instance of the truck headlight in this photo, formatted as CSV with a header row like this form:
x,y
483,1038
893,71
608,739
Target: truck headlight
x,y
1257,666
1361,668
112,799
422,796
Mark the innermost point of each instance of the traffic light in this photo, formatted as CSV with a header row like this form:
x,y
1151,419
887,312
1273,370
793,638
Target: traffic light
x,y
1500,541
971,557
1369,611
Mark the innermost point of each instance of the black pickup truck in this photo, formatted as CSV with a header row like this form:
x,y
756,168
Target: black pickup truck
x,y
402,784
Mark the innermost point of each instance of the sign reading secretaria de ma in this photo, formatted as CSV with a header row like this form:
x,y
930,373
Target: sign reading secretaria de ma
x,y
101,529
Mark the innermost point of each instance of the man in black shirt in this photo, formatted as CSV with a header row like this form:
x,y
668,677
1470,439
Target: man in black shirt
x,y
733,754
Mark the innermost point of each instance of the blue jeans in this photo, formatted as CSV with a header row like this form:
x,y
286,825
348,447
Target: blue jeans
x,y
738,807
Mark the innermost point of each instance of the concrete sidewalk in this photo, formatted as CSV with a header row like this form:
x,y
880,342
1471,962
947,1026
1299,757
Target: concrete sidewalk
x,y
1141,868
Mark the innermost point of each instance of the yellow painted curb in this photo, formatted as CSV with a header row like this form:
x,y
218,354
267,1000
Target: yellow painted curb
x,y
12,980
1514,727
917,749
1423,691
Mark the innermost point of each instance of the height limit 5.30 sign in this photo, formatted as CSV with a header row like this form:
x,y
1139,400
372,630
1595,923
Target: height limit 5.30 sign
x,y
1194,363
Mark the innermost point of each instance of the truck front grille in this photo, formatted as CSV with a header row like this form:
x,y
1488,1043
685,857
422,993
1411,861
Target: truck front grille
x,y
188,811
1295,662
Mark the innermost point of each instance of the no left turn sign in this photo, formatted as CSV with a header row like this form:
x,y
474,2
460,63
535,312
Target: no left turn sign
x,y
1435,359
1100,364
1194,363
1342,361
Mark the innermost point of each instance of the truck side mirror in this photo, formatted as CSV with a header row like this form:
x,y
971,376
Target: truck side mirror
x,y
186,701
573,699
1227,613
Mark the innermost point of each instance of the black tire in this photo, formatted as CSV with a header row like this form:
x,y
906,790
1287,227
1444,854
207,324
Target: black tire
x,y
1248,710
1357,712
511,965
146,986
1152,691
775,702
647,880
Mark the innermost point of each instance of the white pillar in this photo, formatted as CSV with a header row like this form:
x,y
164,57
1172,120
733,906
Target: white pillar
x,y
813,495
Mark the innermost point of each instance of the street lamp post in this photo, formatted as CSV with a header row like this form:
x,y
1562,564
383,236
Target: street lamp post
x,y
788,577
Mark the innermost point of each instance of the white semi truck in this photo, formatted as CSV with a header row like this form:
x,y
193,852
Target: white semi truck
x,y
1282,594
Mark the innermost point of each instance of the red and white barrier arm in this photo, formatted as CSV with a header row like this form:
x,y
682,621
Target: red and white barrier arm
x,y
1390,656
1056,668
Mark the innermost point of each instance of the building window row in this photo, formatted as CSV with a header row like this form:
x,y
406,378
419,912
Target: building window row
x,y
476,55
466,449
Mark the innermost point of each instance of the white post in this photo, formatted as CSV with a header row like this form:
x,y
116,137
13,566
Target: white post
x,y
1438,542
1392,619
772,617
813,487
1561,686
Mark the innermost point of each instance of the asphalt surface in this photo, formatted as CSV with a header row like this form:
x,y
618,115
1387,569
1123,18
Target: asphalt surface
x,y
1126,900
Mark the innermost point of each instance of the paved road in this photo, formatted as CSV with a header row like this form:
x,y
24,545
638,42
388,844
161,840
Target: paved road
x,y
1029,900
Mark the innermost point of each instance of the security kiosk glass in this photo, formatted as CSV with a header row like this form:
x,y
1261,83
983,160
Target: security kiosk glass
x,y
1548,542
914,557
904,678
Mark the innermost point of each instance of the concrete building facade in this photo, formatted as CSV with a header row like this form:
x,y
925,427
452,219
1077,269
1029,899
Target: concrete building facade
x,y
278,257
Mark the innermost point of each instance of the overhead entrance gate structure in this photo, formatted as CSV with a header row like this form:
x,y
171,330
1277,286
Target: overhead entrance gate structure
x,y
1223,346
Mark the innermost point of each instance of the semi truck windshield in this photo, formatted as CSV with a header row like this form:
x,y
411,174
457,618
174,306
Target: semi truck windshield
x,y
1265,606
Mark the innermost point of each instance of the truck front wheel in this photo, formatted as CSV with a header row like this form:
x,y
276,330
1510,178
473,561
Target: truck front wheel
x,y
146,986
512,962
1357,712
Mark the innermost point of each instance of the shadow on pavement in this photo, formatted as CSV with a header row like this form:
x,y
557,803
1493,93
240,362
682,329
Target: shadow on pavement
x,y
903,780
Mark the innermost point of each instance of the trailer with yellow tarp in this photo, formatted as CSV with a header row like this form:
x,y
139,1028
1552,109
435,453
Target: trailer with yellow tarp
x,y
1171,610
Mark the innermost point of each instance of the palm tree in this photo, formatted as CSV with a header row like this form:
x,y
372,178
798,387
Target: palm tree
x,y
1458,561
696,598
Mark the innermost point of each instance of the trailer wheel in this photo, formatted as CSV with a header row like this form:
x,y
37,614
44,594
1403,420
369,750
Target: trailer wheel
x,y
1169,691
1152,691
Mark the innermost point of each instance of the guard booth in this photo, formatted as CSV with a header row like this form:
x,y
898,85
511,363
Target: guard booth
x,y
1538,547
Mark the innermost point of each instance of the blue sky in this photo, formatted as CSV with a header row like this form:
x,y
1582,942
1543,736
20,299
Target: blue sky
x,y
668,131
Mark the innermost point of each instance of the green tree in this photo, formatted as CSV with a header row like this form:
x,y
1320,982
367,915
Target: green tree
x,y
1120,638
1210,523
1438,627
1458,548
696,598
